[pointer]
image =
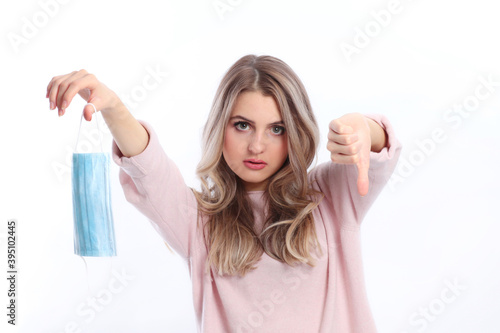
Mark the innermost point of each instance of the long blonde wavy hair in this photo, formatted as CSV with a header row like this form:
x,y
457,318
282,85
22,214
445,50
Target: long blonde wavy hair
x,y
233,245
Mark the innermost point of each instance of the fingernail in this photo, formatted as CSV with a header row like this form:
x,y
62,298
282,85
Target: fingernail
x,y
64,105
59,112
52,106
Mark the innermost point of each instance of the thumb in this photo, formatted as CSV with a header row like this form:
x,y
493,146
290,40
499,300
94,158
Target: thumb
x,y
89,109
363,165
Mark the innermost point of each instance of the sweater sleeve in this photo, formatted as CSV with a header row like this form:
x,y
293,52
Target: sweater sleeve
x,y
154,185
338,182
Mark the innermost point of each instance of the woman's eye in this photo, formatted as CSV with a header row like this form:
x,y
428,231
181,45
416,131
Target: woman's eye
x,y
278,130
242,126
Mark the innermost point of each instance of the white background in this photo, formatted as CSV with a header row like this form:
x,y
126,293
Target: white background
x,y
435,225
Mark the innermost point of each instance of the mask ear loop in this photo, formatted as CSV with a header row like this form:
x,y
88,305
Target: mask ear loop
x,y
98,130
102,150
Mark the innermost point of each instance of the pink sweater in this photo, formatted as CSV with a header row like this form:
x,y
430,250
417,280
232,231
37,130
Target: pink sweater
x,y
275,297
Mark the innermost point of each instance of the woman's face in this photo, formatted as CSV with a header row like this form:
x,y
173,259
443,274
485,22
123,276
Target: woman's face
x,y
255,142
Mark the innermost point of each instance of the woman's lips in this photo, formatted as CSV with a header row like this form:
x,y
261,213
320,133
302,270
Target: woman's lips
x,y
254,164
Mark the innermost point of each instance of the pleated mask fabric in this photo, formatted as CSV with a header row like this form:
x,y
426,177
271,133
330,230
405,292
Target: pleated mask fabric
x,y
94,234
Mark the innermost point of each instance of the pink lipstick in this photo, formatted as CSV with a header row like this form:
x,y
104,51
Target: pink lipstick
x,y
254,164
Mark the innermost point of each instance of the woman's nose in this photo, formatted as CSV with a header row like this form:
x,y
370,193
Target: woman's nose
x,y
257,144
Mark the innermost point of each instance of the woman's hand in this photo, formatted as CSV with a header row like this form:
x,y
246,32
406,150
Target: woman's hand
x,y
63,88
128,133
350,140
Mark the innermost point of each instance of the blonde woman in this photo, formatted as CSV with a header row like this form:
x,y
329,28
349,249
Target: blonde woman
x,y
270,246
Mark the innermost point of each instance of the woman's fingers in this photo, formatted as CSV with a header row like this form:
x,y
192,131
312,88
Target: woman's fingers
x,y
51,84
84,83
62,89
343,147
342,139
349,150
63,86
58,86
350,144
363,165
344,159
52,90
343,154
88,110
54,87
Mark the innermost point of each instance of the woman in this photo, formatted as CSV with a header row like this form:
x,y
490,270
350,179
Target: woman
x,y
269,246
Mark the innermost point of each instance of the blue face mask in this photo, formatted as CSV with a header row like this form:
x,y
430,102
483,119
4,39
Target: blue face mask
x,y
94,234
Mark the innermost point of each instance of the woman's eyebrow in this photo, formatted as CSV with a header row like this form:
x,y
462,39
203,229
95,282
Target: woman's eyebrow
x,y
252,122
